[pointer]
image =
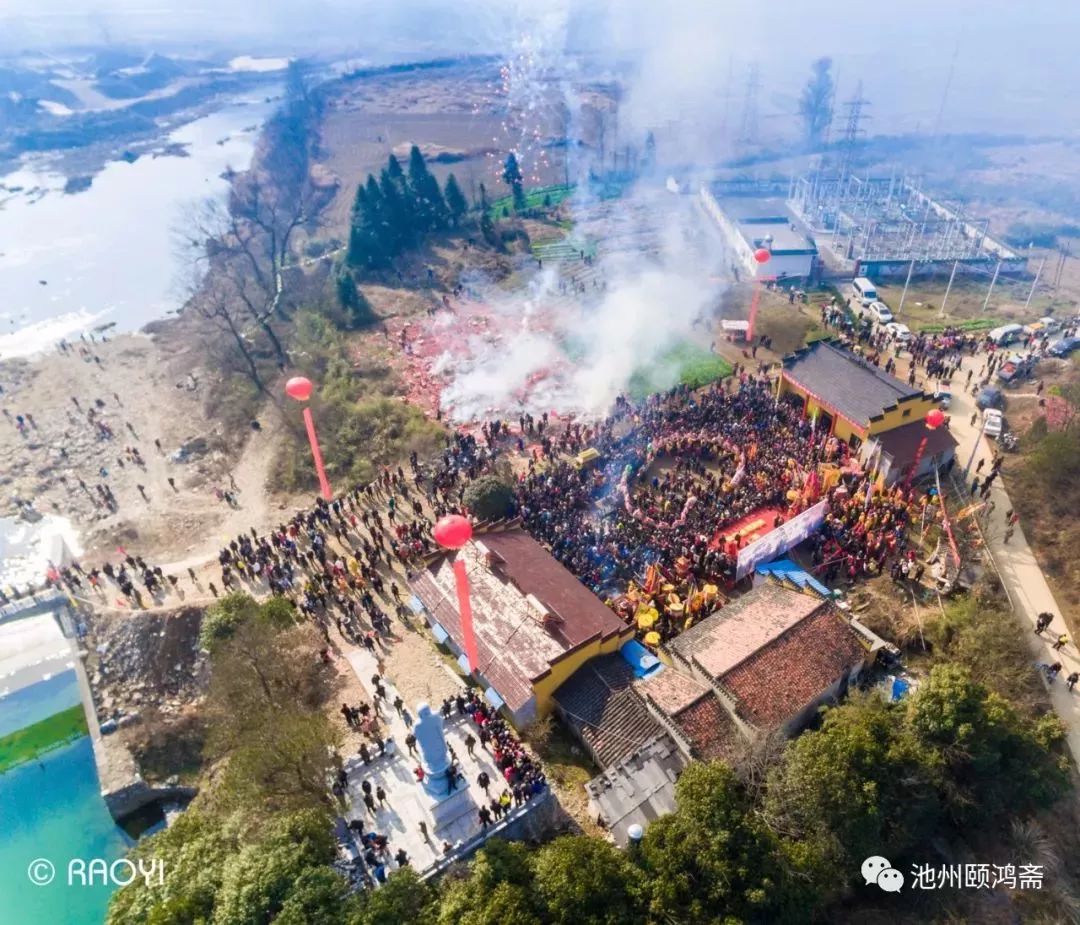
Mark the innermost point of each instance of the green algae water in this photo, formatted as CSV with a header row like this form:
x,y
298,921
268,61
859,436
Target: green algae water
x,y
51,808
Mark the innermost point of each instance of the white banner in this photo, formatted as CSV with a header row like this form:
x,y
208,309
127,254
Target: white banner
x,y
777,542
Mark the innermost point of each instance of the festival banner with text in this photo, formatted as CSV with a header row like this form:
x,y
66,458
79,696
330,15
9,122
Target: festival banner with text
x,y
777,542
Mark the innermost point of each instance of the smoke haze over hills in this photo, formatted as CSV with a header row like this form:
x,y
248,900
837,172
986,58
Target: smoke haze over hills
x,y
1011,59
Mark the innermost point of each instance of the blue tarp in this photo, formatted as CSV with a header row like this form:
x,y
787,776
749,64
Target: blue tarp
x,y
641,659
439,633
900,688
492,697
785,568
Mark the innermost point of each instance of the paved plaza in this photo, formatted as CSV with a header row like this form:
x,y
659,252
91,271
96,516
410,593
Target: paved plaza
x,y
406,805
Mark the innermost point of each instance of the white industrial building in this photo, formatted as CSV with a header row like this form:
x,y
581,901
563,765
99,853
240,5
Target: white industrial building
x,y
752,222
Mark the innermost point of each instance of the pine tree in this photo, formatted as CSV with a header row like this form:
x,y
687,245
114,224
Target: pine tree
x,y
367,248
431,210
396,219
355,305
393,167
455,200
512,177
487,225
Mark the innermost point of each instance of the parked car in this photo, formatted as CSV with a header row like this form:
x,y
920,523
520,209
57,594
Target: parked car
x,y
990,397
879,311
901,333
864,290
1064,347
1045,325
1006,334
1015,368
993,422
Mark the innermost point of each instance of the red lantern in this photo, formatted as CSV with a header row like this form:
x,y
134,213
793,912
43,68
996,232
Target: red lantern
x,y
935,418
762,255
453,531
299,387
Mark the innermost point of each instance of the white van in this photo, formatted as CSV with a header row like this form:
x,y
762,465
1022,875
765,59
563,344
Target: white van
x,y
1006,334
864,290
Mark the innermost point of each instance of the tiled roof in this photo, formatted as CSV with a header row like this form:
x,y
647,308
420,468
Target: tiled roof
x,y
743,626
708,728
670,690
535,571
855,388
528,611
778,681
902,443
598,700
639,789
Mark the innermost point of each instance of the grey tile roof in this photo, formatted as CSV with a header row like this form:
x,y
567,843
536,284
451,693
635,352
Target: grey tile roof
x,y
639,789
856,388
600,704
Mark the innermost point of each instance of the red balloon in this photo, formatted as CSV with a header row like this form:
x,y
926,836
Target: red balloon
x,y
935,418
299,387
453,531
762,255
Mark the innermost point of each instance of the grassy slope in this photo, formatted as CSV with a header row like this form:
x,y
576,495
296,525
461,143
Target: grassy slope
x,y
26,744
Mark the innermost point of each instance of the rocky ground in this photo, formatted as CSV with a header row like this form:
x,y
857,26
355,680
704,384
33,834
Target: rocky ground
x,y
142,659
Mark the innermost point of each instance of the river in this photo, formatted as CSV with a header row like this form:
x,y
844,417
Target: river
x,y
70,262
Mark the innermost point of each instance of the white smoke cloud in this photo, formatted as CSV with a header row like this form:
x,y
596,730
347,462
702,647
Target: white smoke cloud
x,y
576,353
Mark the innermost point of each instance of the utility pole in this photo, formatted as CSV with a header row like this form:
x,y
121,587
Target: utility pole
x,y
945,92
948,289
1035,282
907,282
997,270
1061,266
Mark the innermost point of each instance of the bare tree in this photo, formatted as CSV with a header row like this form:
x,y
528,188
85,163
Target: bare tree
x,y
216,303
250,242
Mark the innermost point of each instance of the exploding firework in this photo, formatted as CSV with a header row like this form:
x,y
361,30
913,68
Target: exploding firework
x,y
529,98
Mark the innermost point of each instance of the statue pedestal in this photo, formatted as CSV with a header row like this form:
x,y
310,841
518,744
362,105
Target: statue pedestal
x,y
445,806
448,808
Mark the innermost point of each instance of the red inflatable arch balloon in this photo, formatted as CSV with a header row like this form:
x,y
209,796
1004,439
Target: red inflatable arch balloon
x,y
935,418
762,255
299,387
453,531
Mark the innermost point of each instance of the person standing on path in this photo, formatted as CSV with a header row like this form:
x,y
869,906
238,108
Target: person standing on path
x,y
1070,681
1042,621
1060,642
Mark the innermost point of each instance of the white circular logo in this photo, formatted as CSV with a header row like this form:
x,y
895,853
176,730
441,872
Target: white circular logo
x,y
41,872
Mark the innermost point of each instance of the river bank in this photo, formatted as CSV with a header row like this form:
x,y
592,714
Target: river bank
x,y
88,411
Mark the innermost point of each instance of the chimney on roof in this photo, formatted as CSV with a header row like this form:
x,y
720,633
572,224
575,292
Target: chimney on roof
x,y
487,558
547,618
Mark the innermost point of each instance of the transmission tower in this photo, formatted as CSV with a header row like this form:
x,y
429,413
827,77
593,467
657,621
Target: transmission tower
x,y
852,130
748,131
